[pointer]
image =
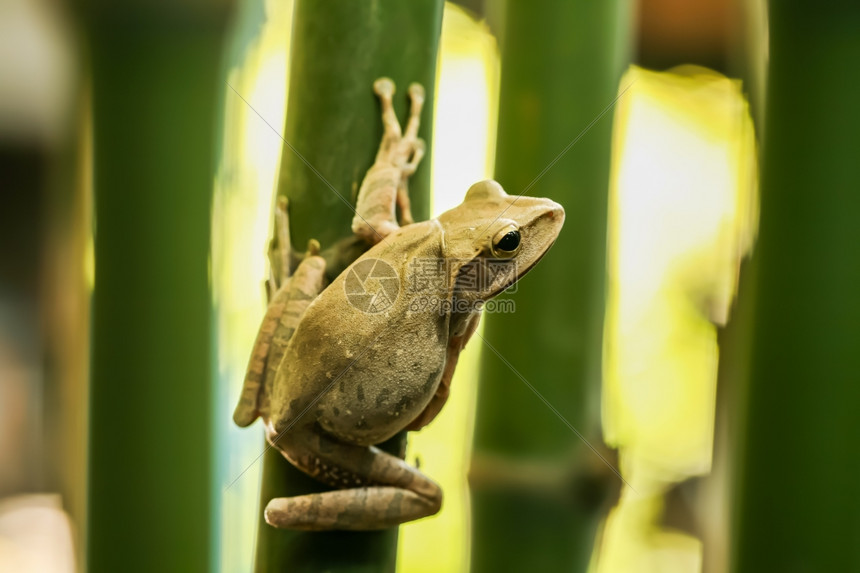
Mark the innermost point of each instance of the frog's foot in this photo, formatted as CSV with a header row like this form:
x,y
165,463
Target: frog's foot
x,y
406,171
384,89
411,150
384,187
313,248
416,99
379,490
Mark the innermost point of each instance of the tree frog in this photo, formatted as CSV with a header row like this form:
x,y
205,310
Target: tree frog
x,y
337,370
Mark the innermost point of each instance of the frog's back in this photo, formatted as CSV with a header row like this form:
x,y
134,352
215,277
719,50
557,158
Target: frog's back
x,y
365,359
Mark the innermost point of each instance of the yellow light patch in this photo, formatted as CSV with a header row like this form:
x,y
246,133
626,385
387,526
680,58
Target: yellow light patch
x,y
682,213
241,227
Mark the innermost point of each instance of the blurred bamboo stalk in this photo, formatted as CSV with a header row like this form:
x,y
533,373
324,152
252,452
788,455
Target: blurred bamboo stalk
x,y
747,60
799,445
155,77
338,50
561,63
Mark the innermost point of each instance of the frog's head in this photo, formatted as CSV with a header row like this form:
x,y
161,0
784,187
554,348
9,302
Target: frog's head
x,y
492,239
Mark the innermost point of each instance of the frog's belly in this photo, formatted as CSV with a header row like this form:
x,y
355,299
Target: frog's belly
x,y
376,403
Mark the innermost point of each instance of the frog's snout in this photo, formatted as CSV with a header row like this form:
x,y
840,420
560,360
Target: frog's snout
x,y
555,213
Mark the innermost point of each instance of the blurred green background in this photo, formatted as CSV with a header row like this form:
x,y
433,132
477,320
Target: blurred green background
x,y
675,390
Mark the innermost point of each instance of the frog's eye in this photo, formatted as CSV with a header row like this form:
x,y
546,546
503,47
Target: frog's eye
x,y
506,243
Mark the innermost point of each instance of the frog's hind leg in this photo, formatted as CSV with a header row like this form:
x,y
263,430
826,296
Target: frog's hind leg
x,y
277,291
379,490
288,299
252,400
304,286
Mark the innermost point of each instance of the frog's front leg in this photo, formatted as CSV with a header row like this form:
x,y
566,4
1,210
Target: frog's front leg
x,y
377,490
385,185
279,250
456,344
411,140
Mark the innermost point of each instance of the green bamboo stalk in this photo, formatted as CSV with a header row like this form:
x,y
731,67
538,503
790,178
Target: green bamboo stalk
x,y
339,48
561,63
155,71
798,454
747,61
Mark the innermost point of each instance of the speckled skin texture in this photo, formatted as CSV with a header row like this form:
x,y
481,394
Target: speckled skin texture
x,y
331,379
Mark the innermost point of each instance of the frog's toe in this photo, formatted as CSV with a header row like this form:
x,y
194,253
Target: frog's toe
x,y
384,87
416,92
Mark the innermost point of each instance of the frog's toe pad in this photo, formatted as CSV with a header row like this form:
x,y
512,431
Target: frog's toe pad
x,y
384,87
416,92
